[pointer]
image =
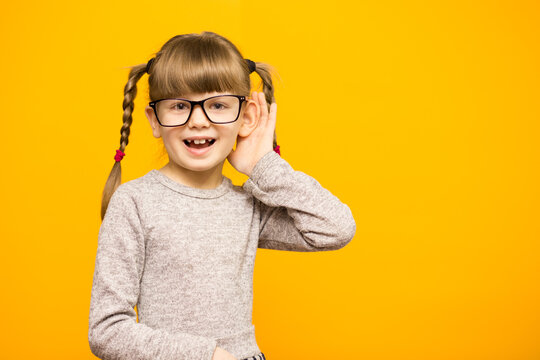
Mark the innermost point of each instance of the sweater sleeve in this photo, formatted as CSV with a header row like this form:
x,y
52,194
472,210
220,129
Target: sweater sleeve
x,y
113,331
297,213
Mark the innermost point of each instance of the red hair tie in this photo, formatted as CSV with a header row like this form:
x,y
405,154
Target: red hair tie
x,y
276,149
119,155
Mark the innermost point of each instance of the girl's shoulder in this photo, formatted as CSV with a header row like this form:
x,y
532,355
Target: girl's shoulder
x,y
136,187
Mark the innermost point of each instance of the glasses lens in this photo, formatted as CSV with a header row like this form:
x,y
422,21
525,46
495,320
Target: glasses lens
x,y
222,109
173,112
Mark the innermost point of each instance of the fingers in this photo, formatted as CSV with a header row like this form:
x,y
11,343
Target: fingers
x,y
264,106
272,116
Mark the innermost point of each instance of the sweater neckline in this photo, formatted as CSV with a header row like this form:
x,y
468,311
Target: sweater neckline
x,y
225,186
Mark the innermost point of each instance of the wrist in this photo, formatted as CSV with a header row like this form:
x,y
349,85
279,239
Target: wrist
x,y
259,167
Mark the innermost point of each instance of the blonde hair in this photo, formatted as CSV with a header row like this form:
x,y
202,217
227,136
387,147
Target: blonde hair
x,y
188,63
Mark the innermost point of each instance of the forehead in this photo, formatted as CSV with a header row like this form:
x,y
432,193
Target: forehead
x,y
201,96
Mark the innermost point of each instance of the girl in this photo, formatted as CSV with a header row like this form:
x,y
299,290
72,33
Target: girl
x,y
180,242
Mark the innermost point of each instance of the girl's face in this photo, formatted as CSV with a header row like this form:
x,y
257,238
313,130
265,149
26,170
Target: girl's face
x,y
198,125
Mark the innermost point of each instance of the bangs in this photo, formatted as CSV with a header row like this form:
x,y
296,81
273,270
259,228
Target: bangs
x,y
197,66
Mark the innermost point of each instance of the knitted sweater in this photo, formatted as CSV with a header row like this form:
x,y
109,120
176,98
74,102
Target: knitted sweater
x,y
184,256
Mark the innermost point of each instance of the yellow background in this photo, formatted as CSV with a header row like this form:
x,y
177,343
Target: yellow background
x,y
422,116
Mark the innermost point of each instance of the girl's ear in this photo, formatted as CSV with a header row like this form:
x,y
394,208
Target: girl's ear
x,y
250,118
153,121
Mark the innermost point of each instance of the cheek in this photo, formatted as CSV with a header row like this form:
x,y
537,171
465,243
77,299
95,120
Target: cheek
x,y
230,140
170,135
171,140
226,144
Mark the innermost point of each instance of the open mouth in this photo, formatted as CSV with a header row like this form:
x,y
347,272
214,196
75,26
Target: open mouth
x,y
199,145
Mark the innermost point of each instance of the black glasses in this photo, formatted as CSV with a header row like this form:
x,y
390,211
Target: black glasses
x,y
220,109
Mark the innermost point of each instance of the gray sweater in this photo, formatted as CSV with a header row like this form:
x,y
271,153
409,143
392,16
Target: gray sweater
x,y
184,256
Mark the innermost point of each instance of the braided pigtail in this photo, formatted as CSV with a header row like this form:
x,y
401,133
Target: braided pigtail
x,y
115,177
265,71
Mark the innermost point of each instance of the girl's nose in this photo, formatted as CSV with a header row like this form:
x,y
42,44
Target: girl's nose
x,y
198,118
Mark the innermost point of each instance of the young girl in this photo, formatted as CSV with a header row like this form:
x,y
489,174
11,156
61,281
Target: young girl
x,y
180,242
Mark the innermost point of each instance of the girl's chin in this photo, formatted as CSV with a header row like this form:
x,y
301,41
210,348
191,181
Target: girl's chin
x,y
202,163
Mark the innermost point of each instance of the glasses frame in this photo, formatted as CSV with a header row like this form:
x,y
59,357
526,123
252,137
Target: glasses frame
x,y
194,103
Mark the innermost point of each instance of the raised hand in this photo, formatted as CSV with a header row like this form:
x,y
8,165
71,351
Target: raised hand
x,y
251,148
222,354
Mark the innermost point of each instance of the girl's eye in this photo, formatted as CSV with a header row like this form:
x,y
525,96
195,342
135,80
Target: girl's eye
x,y
218,106
179,106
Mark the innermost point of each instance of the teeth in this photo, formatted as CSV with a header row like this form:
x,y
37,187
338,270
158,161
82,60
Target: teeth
x,y
197,141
